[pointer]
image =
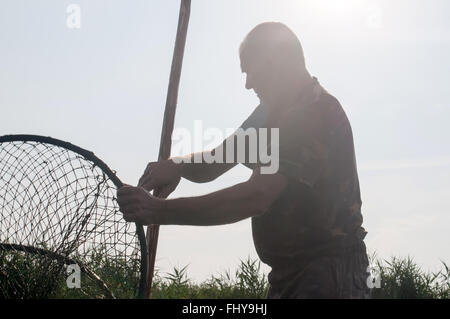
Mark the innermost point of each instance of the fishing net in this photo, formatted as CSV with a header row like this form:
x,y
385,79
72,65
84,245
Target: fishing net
x,y
58,208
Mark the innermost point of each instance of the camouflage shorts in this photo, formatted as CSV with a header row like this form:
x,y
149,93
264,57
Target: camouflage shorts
x,y
338,276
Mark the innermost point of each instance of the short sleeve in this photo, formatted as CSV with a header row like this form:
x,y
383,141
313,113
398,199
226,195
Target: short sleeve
x,y
257,119
304,145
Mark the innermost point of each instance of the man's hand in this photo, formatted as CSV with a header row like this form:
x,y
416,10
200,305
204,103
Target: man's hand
x,y
138,205
163,175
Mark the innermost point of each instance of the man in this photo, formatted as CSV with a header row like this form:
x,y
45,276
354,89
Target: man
x,y
306,218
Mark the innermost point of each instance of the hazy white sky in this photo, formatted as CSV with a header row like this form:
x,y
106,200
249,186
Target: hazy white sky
x,y
103,87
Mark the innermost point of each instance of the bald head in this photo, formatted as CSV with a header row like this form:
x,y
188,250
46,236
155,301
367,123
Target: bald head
x,y
272,57
275,43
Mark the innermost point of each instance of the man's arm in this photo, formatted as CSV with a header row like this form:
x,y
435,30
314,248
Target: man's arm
x,y
203,172
165,175
225,206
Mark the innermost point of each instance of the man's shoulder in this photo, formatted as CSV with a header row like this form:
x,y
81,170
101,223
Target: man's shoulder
x,y
326,103
328,110
323,111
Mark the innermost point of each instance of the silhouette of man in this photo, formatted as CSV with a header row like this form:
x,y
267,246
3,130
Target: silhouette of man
x,y
306,217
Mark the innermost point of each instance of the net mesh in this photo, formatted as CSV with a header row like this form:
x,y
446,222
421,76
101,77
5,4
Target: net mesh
x,y
58,207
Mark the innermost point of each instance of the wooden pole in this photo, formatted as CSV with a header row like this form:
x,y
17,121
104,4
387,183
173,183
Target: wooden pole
x,y
168,123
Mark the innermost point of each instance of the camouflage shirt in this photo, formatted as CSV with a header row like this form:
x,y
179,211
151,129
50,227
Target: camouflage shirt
x,y
320,210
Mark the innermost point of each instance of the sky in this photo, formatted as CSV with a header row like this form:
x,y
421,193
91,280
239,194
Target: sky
x,y
103,87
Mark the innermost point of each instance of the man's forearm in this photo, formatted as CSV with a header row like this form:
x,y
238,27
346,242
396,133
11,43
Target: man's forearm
x,y
226,206
195,169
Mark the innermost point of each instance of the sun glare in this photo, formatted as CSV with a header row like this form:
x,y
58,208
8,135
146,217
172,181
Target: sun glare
x,y
351,13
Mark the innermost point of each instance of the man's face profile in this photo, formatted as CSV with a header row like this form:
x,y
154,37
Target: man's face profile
x,y
260,76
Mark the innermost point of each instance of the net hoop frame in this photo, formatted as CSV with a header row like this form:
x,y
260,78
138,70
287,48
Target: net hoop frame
x,y
89,156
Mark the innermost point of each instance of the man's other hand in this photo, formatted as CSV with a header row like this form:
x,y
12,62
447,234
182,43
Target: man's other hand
x,y
163,176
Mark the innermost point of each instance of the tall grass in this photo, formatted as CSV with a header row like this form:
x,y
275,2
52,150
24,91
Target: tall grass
x,y
247,282
400,278
29,275
24,275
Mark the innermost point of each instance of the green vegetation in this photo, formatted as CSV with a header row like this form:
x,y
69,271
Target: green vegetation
x,y
247,282
402,278
38,275
25,276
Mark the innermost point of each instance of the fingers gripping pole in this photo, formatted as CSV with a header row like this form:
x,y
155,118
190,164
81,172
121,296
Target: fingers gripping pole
x,y
168,123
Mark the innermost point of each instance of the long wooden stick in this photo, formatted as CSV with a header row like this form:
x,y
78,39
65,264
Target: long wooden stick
x,y
168,122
